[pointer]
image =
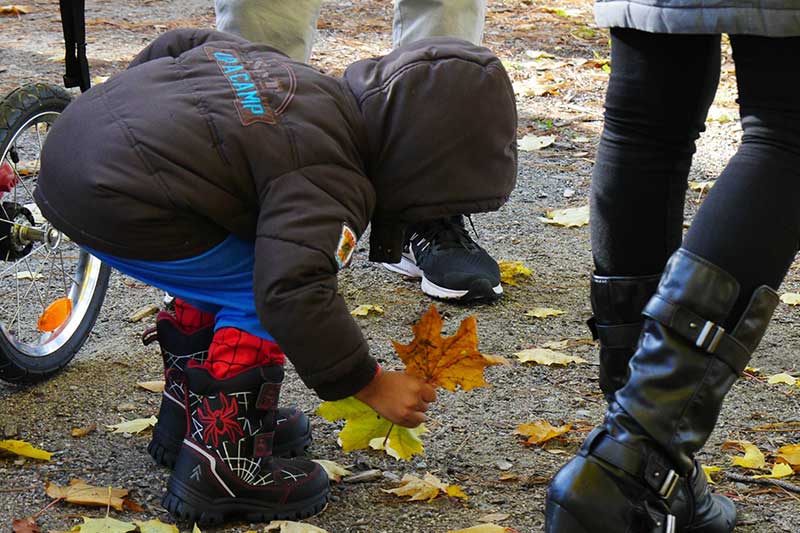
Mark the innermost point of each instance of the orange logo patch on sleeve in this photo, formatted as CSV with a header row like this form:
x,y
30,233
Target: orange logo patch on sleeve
x,y
346,247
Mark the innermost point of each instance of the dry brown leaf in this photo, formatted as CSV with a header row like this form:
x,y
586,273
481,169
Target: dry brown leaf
x,y
544,312
494,517
427,488
25,525
81,493
544,356
447,362
83,431
142,312
152,386
483,528
285,526
14,10
531,143
334,470
541,431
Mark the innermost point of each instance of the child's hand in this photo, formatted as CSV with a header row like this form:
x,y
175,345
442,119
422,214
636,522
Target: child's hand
x,y
398,397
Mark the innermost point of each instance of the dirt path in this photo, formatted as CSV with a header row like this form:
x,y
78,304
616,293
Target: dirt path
x,y
471,441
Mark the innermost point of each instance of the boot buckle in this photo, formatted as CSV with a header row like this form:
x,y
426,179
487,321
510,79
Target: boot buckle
x,y
710,331
669,525
668,487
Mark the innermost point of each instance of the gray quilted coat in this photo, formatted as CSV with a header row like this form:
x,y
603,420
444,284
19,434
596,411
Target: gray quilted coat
x,y
771,18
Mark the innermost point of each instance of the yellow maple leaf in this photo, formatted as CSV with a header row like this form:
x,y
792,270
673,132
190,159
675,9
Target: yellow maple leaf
x,y
156,526
133,426
363,425
791,298
779,470
545,356
783,377
81,493
104,525
708,470
753,458
572,217
790,454
447,362
541,431
366,309
544,312
24,449
427,488
512,272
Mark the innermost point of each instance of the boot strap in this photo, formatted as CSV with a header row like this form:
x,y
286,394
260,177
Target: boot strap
x,y
652,468
706,335
615,335
268,396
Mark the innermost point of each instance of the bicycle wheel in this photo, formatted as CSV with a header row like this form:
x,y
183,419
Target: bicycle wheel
x,y
40,267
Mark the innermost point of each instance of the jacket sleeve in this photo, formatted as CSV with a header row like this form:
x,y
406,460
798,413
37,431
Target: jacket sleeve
x,y
301,222
175,42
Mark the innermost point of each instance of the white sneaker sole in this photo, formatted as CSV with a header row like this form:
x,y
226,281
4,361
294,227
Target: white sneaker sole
x,y
408,268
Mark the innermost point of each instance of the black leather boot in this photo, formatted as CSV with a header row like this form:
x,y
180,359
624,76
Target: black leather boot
x,y
629,468
178,347
225,469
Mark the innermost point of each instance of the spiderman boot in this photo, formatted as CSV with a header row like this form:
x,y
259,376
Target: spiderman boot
x,y
186,336
225,469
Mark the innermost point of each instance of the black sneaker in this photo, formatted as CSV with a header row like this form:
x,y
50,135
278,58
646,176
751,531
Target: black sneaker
x,y
452,265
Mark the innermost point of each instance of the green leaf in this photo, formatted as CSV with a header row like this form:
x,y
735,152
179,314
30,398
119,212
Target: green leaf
x,y
105,525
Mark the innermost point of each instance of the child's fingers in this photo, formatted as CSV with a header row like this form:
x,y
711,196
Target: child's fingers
x,y
428,393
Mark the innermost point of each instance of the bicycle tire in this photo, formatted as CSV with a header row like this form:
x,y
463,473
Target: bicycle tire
x,y
33,108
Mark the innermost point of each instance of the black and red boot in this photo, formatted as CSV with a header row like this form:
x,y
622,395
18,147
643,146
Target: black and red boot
x,y
630,470
226,469
617,304
186,336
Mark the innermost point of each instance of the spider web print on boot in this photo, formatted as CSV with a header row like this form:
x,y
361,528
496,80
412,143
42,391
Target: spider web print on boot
x,y
226,469
179,345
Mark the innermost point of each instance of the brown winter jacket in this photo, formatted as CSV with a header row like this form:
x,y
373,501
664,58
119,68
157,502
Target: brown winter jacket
x,y
207,135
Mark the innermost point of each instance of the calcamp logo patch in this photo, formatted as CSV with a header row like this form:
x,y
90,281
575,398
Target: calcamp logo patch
x,y
346,247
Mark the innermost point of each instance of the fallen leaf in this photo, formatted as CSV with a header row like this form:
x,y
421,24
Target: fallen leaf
x,y
779,470
701,186
366,309
334,470
783,377
791,298
571,217
493,517
753,458
790,454
133,426
454,491
363,425
539,54
285,526
97,80
541,431
557,345
28,275
399,445
544,312
544,356
142,312
83,431
55,315
708,470
24,449
25,525
196,529
483,528
427,488
152,386
752,370
156,526
508,477
104,525
540,85
530,143
447,362
511,272
81,493
14,10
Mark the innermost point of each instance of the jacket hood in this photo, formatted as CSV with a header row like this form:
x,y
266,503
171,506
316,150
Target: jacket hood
x,y
441,121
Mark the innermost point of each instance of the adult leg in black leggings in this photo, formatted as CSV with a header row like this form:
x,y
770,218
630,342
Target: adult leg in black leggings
x,y
708,314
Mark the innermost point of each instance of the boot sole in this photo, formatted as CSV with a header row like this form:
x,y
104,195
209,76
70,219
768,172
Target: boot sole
x,y
164,450
559,520
185,504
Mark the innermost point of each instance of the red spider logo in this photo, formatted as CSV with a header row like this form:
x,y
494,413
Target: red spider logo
x,y
221,422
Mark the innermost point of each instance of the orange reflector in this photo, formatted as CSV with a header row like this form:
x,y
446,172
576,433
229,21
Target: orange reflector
x,y
56,314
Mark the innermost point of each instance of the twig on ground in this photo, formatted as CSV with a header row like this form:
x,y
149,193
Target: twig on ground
x,y
764,481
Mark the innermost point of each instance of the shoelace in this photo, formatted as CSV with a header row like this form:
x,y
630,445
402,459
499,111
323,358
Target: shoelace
x,y
442,234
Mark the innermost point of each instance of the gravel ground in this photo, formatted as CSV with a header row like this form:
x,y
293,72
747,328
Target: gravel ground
x,y
471,440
